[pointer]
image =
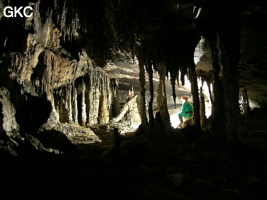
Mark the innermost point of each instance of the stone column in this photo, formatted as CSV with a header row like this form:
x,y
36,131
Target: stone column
x,y
103,110
75,106
84,117
194,91
162,100
245,101
151,92
218,106
203,118
229,33
69,103
143,96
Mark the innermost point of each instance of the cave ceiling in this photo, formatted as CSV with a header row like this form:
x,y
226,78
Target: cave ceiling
x,y
117,35
179,22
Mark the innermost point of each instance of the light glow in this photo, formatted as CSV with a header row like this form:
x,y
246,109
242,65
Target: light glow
x,y
175,119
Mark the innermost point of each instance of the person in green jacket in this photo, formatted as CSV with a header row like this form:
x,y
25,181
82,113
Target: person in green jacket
x,y
186,111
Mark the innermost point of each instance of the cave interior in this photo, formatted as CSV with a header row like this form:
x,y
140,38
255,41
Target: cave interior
x,y
90,92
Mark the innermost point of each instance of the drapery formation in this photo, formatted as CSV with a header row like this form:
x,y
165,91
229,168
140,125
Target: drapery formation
x,y
87,101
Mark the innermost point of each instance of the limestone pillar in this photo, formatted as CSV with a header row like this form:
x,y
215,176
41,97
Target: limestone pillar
x,y
75,106
143,96
84,117
69,103
162,100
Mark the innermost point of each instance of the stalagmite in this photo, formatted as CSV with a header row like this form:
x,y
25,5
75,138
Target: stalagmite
x,y
10,125
103,116
129,111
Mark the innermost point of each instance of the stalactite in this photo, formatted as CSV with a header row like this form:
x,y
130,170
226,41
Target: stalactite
x,y
143,97
218,93
94,95
151,92
90,97
97,95
107,91
194,90
90,114
75,106
48,72
218,117
183,71
115,106
80,102
177,78
56,100
162,100
211,96
203,118
245,101
83,105
95,106
87,98
62,22
173,78
63,111
69,103
61,106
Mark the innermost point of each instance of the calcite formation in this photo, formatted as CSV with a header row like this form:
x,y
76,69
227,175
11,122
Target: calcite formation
x,y
79,92
53,64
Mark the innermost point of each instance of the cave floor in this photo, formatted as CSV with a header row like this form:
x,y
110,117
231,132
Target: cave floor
x,y
178,167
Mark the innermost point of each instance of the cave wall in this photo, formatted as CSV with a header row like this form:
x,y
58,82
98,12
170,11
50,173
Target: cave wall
x,y
47,77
